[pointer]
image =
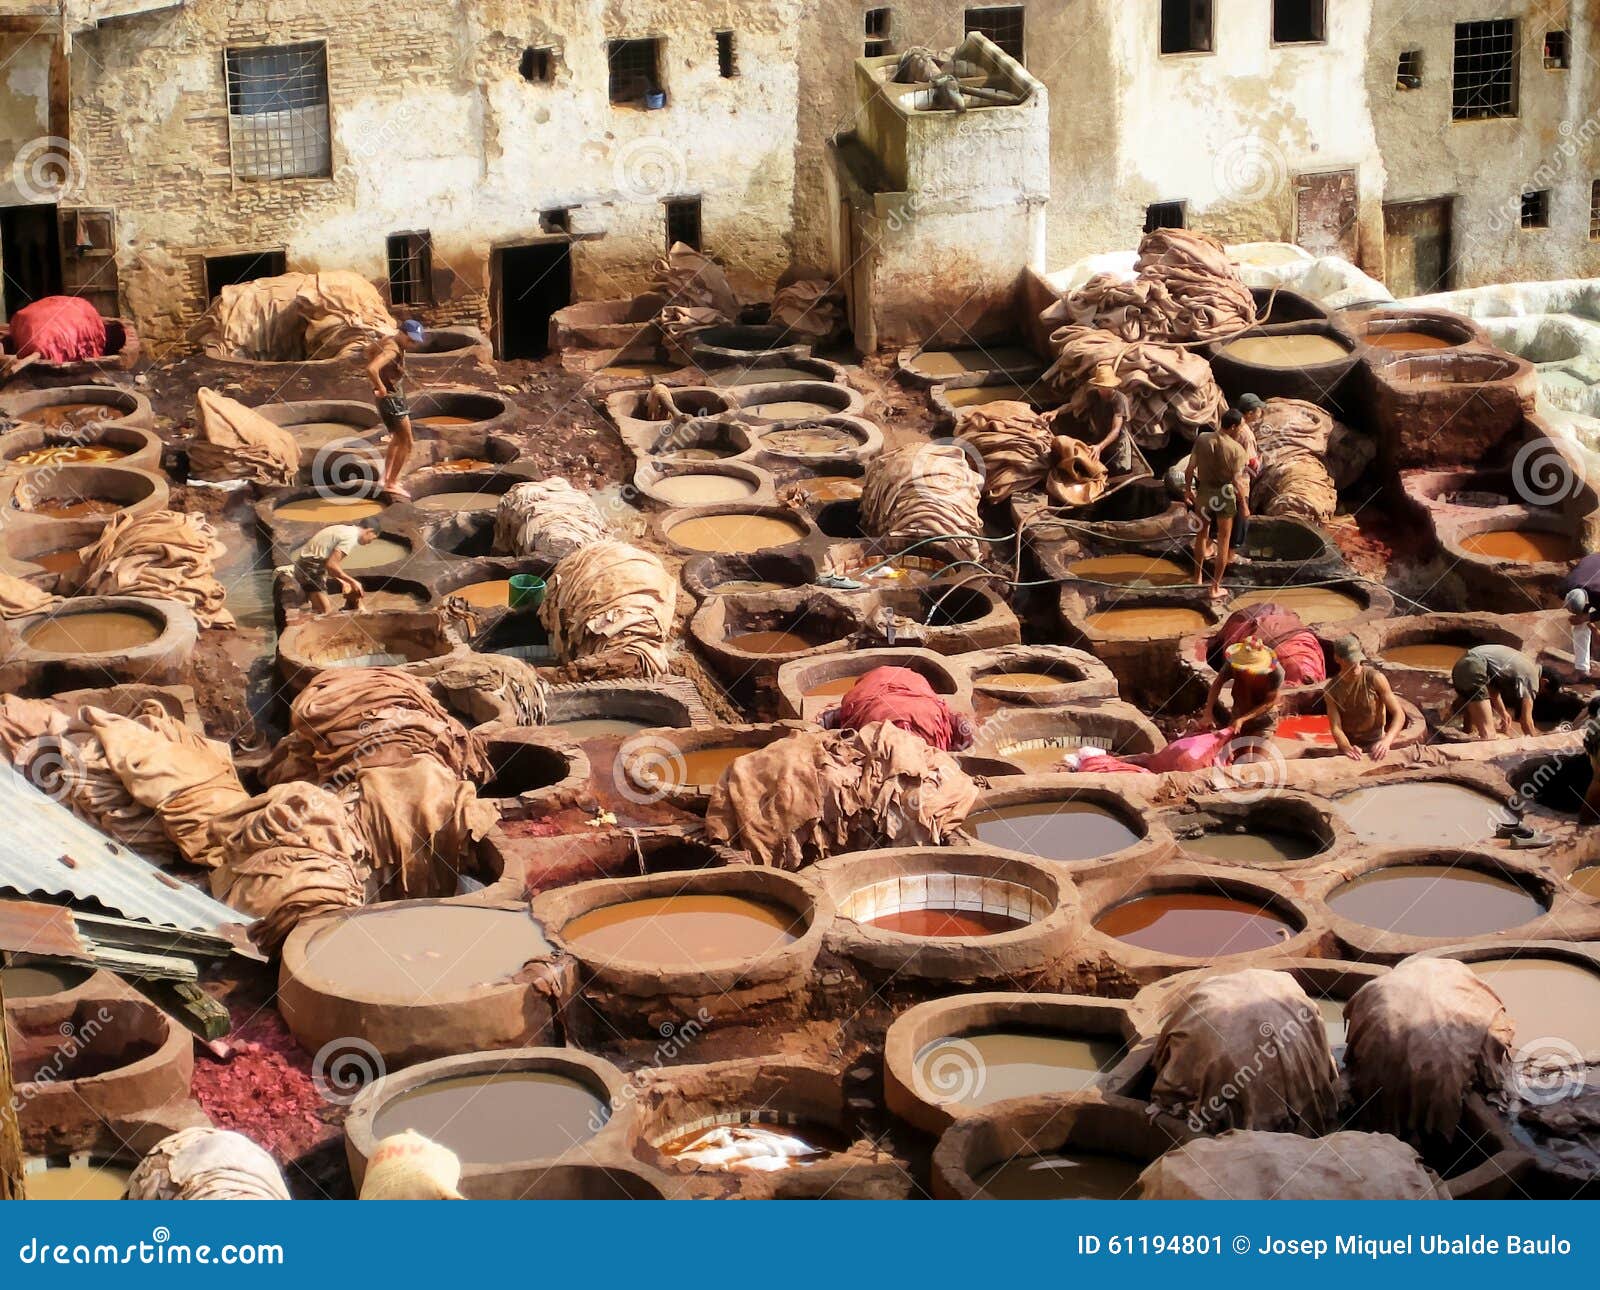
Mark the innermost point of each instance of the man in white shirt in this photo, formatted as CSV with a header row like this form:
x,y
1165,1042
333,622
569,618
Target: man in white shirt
x,y
319,565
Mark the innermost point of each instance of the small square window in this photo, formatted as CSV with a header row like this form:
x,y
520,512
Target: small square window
x,y
877,25
1536,209
1408,70
538,65
635,67
727,56
558,219
410,269
1166,215
1002,25
683,222
1299,22
278,112
1185,26
1557,51
231,270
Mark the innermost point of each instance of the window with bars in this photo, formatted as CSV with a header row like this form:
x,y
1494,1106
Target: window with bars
x,y
410,268
1185,26
727,56
683,222
1408,70
1594,211
1299,22
278,112
877,26
1003,25
245,266
538,64
635,67
1166,215
1485,77
1536,209
1557,51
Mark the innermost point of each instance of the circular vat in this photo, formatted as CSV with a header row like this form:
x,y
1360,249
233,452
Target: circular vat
x,y
1301,547
320,507
37,980
95,444
794,401
943,913
693,402
822,439
1153,616
609,710
879,565
1421,813
769,368
1075,827
739,342
76,408
704,483
1039,674
1324,606
1297,348
1132,570
419,979
485,585
319,423
733,529
1435,895
1197,914
838,482
526,764
1281,830
98,626
1405,332
52,548
951,1058
497,1111
1142,500
1035,739
1534,539
452,492
439,412
361,640
1452,367
686,764
520,635
1078,1146
1550,988
1557,782
813,684
1429,647
735,575
83,1175
87,492
747,638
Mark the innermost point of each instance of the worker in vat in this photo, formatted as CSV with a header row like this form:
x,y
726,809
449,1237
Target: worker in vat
x,y
1253,410
386,370
319,565
1492,682
1363,712
1252,672
1107,413
1216,485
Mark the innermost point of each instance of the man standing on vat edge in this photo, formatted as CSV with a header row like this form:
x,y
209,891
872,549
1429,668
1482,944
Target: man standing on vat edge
x,y
1216,486
386,369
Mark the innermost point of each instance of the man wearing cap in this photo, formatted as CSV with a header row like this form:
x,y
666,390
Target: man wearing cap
x,y
1489,680
1214,483
1108,413
1363,713
1583,612
386,369
1255,674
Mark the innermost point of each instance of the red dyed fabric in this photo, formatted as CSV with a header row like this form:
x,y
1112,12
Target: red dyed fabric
x,y
904,699
60,329
1296,645
1192,752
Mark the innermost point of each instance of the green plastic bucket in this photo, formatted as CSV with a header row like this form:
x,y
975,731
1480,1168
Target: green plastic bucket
x,y
527,591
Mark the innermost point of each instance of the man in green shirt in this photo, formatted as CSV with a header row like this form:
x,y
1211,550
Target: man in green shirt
x,y
1491,681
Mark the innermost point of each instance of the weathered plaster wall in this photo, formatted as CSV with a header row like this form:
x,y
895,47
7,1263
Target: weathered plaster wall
x,y
24,106
434,128
1553,142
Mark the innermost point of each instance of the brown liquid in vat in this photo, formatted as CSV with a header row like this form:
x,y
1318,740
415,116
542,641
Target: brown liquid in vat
x,y
1522,546
493,594
977,396
685,931
789,410
771,642
499,1118
1547,997
811,441
424,953
1434,657
1587,880
1062,1175
328,510
463,464
702,490
70,454
962,362
829,488
1262,846
762,375
1420,815
946,922
319,434
1285,351
76,508
702,766
734,534
598,727
1434,900
66,560
100,631
462,501
840,685
738,586
1011,1063
78,1182
1404,340
1130,571
1023,680
1193,924
1053,830
441,420
376,554
36,981
73,416
1156,623
1312,604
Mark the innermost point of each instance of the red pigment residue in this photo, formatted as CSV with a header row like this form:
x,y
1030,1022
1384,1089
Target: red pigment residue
x,y
1310,729
264,1088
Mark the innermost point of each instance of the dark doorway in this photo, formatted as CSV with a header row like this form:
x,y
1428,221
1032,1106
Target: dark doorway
x,y
30,254
231,270
531,283
1417,250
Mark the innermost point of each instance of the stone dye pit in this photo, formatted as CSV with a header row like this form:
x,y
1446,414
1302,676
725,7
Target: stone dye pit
x,y
684,930
1194,924
498,1118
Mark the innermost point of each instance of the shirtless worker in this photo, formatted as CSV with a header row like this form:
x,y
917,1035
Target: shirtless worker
x,y
386,369
1490,678
319,565
1363,713
1217,487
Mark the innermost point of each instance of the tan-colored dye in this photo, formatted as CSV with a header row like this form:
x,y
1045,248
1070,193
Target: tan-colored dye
x,y
498,1118
462,501
1193,924
962,362
702,766
1285,351
790,409
1312,604
685,930
1587,880
70,454
734,534
771,642
441,421
828,488
76,508
493,594
1264,846
977,396
78,1182
1156,622
66,560
1547,998
738,586
1420,815
1131,571
424,953
702,490
762,375
73,416
1012,1063
1039,757
319,434
1023,680
329,510
809,441
1434,900
598,727
1431,656
832,689
376,554
459,464
1062,1175
97,632
1407,340
1522,546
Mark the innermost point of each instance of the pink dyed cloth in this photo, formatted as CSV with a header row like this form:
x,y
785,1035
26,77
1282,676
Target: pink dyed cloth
x,y
1192,752
1295,644
60,329
903,698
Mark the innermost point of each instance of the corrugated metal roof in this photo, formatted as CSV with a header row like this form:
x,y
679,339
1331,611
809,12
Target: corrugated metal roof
x,y
38,836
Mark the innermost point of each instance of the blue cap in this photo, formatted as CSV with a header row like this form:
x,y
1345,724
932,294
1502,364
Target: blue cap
x,y
412,328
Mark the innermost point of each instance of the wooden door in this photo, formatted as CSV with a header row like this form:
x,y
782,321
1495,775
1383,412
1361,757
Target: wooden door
x,y
89,257
1327,207
1417,246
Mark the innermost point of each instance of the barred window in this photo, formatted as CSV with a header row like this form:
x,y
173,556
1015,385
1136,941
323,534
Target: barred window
x,y
278,112
1001,25
1557,51
1594,211
1536,209
1166,215
635,67
1408,70
411,268
1485,84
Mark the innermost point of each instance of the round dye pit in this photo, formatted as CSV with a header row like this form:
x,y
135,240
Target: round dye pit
x,y
424,953
1587,881
1408,340
1434,900
85,1179
36,981
943,363
1131,571
104,631
1053,830
476,500
376,555
1548,998
810,441
597,727
1313,604
73,508
328,510
828,488
492,594
322,434
1061,1175
1252,846
70,454
684,931
759,375
740,586
699,766
735,534
498,1118
987,1066
978,396
789,409
73,416
773,642
946,922
702,490
1156,622
1430,656
1420,815
1194,924
1285,351
462,464
66,560
1522,546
